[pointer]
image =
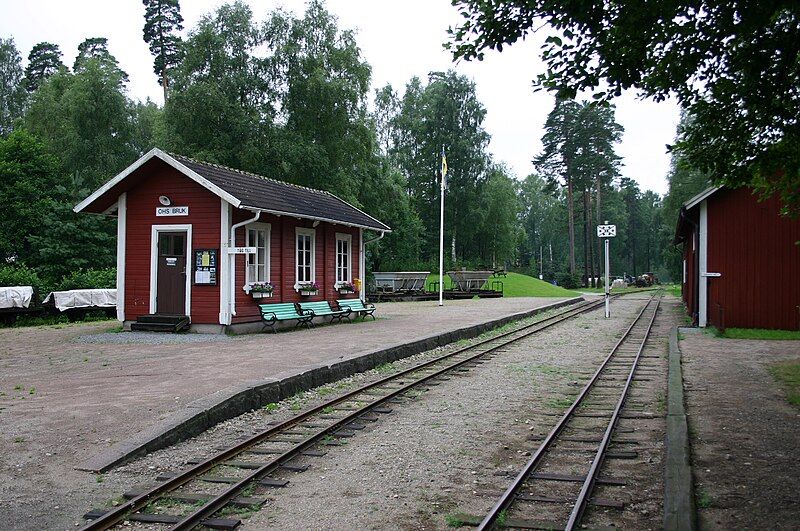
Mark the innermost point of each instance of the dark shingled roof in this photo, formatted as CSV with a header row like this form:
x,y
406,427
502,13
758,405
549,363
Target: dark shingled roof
x,y
262,193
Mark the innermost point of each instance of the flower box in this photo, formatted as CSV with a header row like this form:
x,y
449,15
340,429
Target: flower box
x,y
345,288
260,294
307,289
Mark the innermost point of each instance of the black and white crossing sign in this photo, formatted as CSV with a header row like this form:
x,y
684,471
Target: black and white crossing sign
x,y
606,231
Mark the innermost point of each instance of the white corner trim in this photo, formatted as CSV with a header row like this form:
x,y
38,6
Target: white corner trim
x,y
155,152
122,213
313,234
362,266
155,229
702,310
223,263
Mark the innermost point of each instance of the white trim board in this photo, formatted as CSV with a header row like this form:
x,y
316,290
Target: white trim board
x,y
155,229
122,214
224,263
702,297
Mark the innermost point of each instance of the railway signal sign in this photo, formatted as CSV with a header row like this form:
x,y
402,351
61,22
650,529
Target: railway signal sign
x,y
606,231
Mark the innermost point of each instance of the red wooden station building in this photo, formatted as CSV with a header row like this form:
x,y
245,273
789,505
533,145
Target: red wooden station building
x,y
194,238
741,261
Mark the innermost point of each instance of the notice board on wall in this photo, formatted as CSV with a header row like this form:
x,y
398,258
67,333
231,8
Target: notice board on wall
x,y
205,267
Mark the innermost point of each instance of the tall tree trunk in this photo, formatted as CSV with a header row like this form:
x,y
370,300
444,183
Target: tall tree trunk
x,y
571,222
599,217
586,242
164,83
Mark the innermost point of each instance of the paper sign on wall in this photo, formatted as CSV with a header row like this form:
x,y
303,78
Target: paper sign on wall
x,y
172,211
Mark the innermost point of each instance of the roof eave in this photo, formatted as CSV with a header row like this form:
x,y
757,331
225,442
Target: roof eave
x,y
383,228
699,198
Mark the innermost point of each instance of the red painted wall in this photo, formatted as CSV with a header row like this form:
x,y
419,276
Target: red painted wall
x,y
204,216
282,263
755,250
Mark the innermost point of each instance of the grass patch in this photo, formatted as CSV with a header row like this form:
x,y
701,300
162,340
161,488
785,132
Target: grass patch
x,y
272,406
704,501
453,521
516,285
559,403
788,374
384,368
756,333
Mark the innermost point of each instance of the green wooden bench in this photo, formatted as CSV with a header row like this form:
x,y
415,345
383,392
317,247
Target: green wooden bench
x,y
284,311
323,309
357,306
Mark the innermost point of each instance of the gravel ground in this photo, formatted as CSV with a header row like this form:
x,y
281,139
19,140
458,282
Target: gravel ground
x,y
448,450
150,338
743,433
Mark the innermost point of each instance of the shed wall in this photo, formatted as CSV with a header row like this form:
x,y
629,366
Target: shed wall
x,y
282,263
204,216
755,250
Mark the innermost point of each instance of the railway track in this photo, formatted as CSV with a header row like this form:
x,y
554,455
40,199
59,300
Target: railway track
x,y
184,500
559,478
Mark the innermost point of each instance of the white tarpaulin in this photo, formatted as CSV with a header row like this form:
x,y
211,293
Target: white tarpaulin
x,y
15,296
82,298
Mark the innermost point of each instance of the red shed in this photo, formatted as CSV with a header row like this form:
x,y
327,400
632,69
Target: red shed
x,y
194,238
741,261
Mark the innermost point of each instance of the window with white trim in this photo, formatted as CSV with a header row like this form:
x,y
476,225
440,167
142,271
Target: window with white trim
x,y
258,236
305,245
344,262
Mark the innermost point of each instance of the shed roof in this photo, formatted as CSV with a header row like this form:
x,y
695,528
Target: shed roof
x,y
244,190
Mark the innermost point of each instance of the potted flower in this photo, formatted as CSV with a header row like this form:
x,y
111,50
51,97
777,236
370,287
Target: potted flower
x,y
346,287
259,290
307,288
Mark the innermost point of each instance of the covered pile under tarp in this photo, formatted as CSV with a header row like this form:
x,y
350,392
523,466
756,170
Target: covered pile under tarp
x,y
82,298
16,296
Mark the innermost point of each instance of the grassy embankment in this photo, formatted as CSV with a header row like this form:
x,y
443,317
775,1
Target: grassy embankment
x,y
517,285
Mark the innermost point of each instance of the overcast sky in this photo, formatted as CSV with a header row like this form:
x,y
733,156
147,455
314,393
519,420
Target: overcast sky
x,y
399,39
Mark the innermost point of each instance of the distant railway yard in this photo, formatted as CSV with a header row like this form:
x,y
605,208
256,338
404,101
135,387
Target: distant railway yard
x,y
556,420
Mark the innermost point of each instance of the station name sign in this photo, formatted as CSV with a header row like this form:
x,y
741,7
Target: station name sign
x,y
242,250
172,211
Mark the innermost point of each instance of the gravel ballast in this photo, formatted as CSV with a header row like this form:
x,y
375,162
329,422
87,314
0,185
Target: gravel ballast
x,y
449,449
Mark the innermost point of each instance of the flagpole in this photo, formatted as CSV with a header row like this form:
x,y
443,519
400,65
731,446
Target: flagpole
x,y
441,233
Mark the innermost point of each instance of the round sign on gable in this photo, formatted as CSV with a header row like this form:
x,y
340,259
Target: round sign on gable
x,y
164,200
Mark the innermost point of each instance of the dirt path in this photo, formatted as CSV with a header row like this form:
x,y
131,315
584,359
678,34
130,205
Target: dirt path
x,y
744,434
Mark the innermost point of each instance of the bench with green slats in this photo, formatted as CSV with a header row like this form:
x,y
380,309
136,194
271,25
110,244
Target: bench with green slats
x,y
357,306
284,311
323,309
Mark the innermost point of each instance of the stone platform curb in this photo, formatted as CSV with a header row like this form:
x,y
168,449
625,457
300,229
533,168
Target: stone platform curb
x,y
210,410
679,508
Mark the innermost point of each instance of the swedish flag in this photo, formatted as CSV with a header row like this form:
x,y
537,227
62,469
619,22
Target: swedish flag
x,y
444,167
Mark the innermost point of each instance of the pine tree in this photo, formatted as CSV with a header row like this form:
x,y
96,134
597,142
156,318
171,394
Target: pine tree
x,y
96,49
44,60
162,19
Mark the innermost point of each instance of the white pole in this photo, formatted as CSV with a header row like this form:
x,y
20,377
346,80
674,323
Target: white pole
x,y
607,290
441,240
541,264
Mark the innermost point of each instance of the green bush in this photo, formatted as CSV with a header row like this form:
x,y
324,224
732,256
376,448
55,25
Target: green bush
x,y
570,281
89,279
21,275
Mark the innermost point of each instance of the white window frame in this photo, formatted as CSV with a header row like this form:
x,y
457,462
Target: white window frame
x,y
313,234
266,227
340,236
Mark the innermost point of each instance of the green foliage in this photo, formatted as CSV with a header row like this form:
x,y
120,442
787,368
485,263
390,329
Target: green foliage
x,y
733,65
162,21
28,176
788,374
12,89
569,280
94,50
21,275
89,279
44,60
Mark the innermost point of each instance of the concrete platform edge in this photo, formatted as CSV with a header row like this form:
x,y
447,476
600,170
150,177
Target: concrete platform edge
x,y
679,506
212,409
